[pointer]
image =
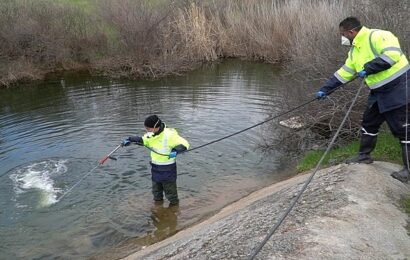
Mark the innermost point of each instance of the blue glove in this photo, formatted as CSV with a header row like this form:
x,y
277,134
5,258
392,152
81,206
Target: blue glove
x,y
173,154
126,142
320,94
362,74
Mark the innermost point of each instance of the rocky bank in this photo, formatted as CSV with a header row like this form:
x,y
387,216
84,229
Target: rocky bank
x,y
347,212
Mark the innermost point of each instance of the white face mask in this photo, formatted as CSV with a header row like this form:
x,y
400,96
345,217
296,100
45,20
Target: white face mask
x,y
346,41
151,134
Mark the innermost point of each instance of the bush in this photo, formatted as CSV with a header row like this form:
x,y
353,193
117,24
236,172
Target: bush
x,y
38,36
146,38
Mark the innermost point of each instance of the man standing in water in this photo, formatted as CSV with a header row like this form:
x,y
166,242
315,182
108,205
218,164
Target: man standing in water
x,y
376,56
164,143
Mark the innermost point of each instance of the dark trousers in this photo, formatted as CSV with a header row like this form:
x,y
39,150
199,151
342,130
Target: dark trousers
x,y
396,120
170,190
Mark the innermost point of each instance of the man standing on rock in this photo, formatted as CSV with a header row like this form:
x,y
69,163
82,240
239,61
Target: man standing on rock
x,y
375,55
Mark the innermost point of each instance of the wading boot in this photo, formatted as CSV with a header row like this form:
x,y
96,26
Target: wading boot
x,y
403,175
367,145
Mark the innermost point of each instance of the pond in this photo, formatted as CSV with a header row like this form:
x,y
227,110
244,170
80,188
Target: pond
x,y
53,133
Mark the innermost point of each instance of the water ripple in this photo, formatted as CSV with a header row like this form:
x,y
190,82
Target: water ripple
x,y
77,124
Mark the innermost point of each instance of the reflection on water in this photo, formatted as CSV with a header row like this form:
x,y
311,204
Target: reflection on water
x,y
52,134
164,220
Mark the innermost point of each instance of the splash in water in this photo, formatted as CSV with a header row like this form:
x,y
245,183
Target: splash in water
x,y
38,177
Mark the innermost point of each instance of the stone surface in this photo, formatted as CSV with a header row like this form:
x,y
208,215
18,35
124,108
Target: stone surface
x,y
346,212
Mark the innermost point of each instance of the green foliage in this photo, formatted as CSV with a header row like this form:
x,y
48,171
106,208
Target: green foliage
x,y
387,149
77,2
406,205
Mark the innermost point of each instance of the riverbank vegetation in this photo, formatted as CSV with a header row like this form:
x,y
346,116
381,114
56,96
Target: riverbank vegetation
x,y
151,39
155,38
144,38
387,149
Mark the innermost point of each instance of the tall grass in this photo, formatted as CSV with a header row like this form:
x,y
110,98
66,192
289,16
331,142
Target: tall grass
x,y
41,36
146,38
169,38
153,38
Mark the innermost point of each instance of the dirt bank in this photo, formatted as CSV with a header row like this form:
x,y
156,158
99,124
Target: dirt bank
x,y
347,212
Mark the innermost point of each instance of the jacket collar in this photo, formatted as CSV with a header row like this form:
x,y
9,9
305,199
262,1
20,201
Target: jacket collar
x,y
361,35
161,129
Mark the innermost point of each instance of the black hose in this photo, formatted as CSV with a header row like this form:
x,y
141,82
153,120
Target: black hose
x,y
282,218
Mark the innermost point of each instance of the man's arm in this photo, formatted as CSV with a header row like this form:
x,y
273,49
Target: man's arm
x,y
179,148
343,75
375,66
386,46
136,139
330,85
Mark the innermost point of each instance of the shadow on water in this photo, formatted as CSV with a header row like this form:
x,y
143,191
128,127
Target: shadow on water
x,y
53,133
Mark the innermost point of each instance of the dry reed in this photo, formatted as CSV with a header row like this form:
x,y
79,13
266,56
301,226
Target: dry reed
x,y
145,38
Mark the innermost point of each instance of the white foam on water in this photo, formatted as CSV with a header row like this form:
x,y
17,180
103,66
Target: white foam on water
x,y
39,176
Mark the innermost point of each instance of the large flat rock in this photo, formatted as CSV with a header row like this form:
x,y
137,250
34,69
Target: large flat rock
x,y
347,212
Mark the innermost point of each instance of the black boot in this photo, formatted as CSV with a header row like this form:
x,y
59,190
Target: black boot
x,y
403,174
367,145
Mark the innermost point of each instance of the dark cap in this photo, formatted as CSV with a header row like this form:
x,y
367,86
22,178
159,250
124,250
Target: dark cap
x,y
152,121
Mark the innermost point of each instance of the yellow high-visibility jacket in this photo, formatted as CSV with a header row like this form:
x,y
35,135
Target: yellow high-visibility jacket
x,y
368,45
163,144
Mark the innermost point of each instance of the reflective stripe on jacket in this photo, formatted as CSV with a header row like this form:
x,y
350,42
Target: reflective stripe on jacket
x,y
368,45
392,95
163,144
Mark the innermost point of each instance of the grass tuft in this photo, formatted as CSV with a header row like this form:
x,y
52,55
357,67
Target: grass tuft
x,y
387,149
